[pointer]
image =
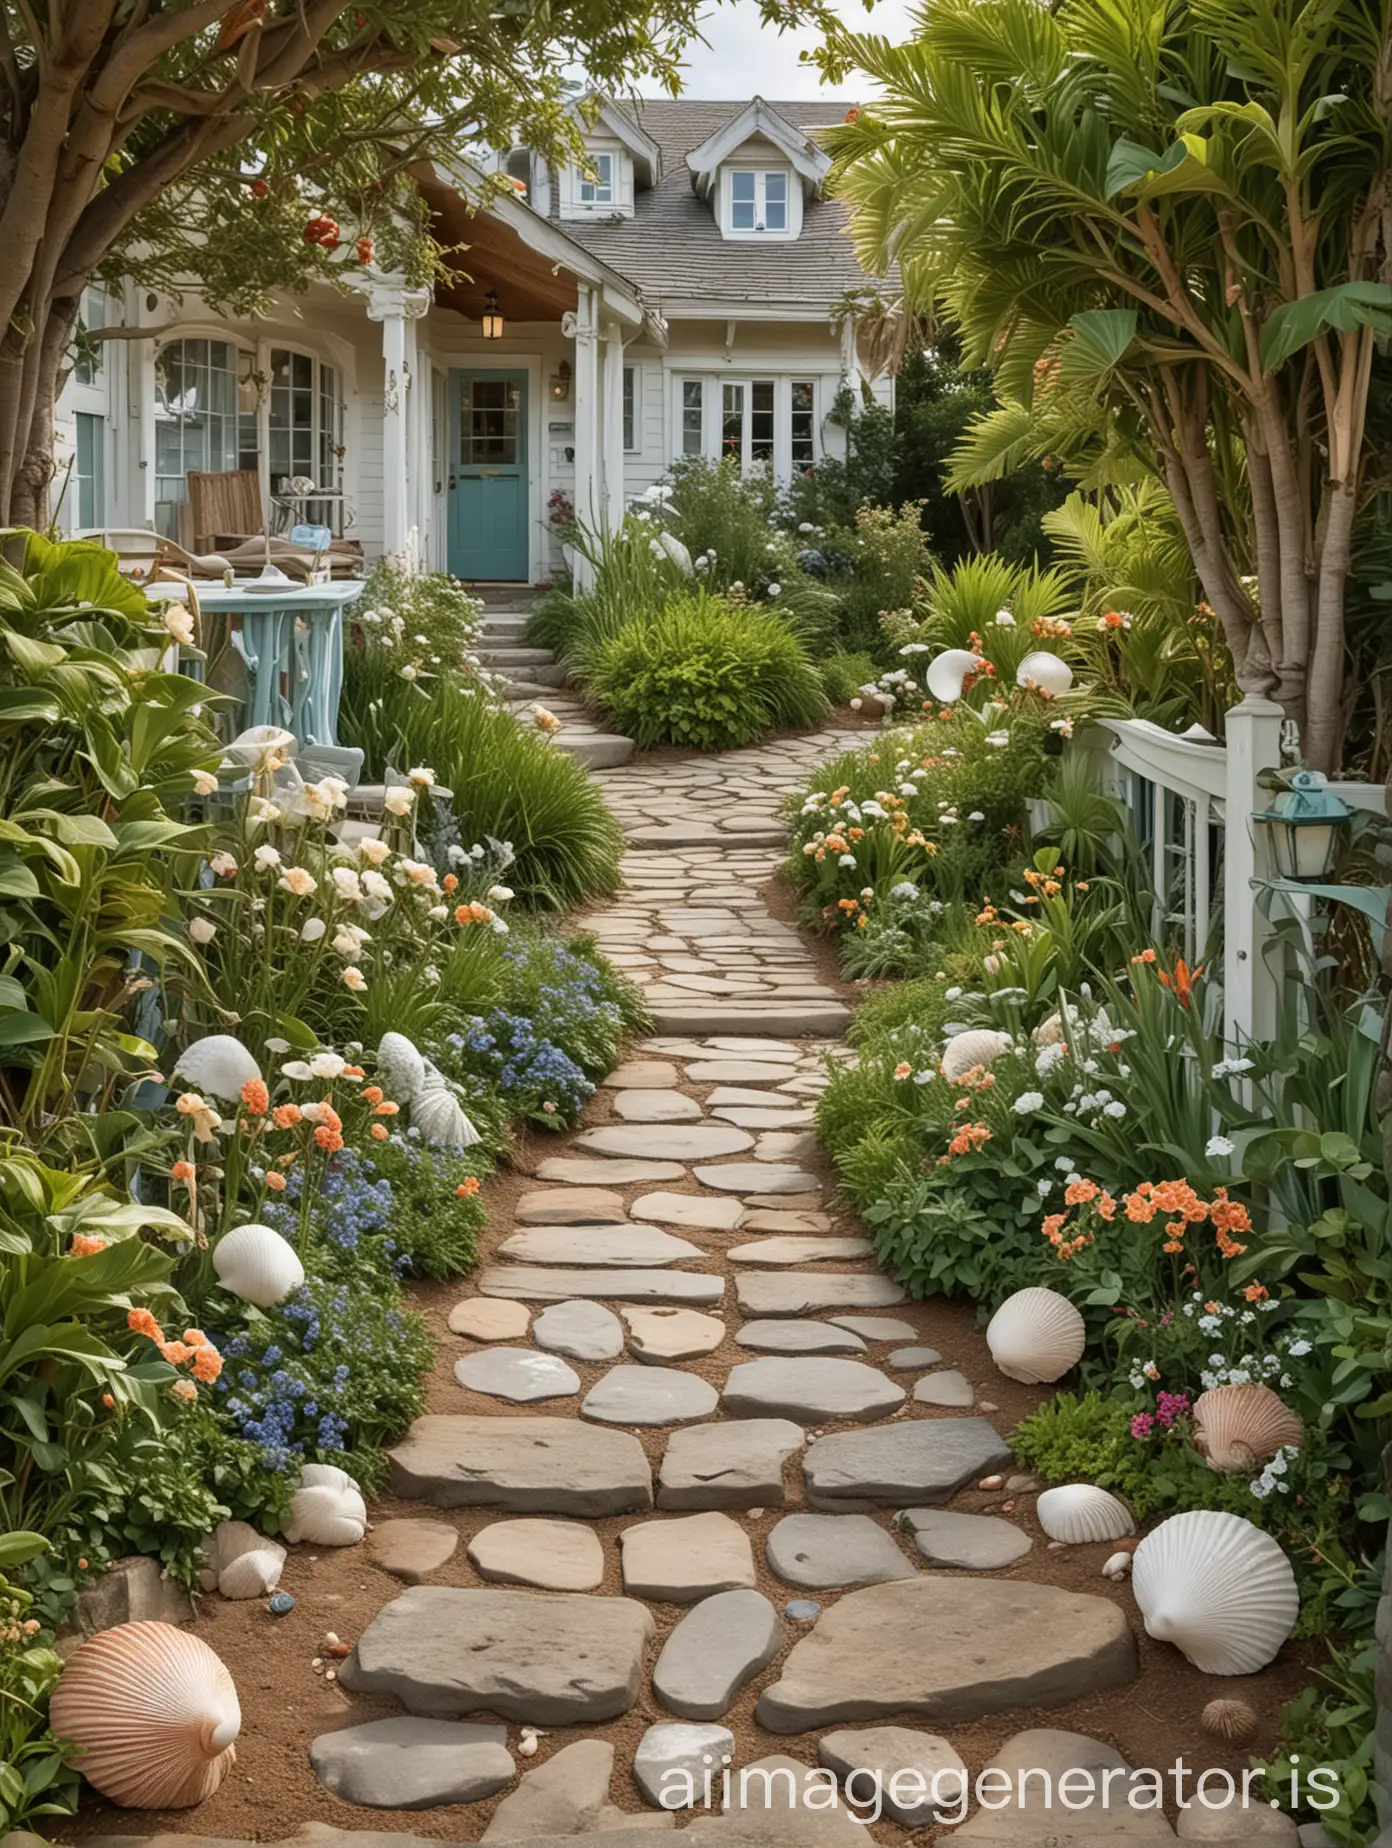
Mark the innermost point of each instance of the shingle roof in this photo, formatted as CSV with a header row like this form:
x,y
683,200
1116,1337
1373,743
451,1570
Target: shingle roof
x,y
672,246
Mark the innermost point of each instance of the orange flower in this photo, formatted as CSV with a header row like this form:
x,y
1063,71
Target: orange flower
x,y
275,1181
450,883
286,1116
903,1069
85,1247
352,1071
181,1171
1106,1206
255,1097
108,1402
1079,1192
387,1108
207,1365
141,1322
176,1352
1146,956
184,1389
379,1132
1256,1292
328,1139
373,1093
467,1188
1183,982
196,1338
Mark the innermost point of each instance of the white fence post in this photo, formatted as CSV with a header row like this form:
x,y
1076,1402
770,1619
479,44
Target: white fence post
x,y
1253,735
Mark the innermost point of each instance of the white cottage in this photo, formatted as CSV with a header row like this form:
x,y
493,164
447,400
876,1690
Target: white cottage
x,y
674,294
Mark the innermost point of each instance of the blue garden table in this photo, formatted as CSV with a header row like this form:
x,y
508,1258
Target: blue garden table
x,y
290,640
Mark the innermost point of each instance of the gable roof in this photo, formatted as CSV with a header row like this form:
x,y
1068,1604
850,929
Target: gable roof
x,y
672,249
806,159
620,123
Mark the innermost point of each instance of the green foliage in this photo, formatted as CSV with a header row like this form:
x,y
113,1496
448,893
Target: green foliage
x,y
1332,1725
843,675
835,491
404,630
706,672
432,1224
36,1778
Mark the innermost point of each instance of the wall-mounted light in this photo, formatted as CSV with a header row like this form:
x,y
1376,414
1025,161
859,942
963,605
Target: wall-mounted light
x,y
492,317
560,382
1307,824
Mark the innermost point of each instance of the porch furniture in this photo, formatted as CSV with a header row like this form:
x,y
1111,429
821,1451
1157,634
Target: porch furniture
x,y
290,640
227,516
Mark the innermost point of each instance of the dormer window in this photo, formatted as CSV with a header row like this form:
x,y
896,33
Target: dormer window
x,y
758,201
597,180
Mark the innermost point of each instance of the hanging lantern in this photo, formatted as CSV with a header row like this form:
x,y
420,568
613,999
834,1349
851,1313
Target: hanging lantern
x,y
492,317
1306,826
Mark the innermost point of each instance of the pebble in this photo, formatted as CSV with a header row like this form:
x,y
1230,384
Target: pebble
x,y
280,1604
802,1610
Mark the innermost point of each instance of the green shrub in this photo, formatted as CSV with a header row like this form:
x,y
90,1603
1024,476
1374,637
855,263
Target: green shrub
x,y
919,1003
843,675
708,673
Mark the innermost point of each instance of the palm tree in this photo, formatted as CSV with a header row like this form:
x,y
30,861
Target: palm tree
x,y
1163,224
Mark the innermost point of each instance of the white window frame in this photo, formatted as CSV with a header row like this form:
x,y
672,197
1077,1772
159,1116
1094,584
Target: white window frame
x,y
713,385
762,171
598,191
633,410
337,443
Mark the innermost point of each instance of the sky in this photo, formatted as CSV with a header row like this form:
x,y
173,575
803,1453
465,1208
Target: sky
x,y
743,57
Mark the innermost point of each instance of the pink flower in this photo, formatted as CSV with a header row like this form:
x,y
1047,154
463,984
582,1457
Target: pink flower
x,y
1142,1425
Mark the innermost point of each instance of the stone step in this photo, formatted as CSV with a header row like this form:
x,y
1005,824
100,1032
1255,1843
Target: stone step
x,y
827,1019
598,751
508,655
525,1464
679,834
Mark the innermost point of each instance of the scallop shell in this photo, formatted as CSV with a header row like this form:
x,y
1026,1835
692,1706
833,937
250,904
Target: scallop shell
x,y
1078,1514
155,1713
1048,672
1239,1427
1218,1588
255,1263
947,672
1036,1336
254,1574
1117,1566
1232,1720
401,1065
980,1046
219,1065
1049,1032
436,1113
327,1508
677,552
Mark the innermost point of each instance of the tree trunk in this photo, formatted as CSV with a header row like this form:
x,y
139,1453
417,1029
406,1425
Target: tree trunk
x,y
1322,736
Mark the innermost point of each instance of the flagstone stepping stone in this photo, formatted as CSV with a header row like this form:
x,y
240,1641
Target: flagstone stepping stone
x,y
483,1319
875,1327
657,1335
411,1764
1249,1826
949,1388
526,1465
585,1331
771,1219
797,1202
568,1795
1033,1803
656,1107
780,1800
518,1374
547,1660
755,1177
537,1285
794,1249
920,1461
911,1359
680,1561
818,1551
641,1075
695,1212
570,1206
676,1757
796,1337
736,1071
735,1465
917,1775
675,1142
615,1173
996,1644
768,1293
813,1390
777,1052
552,1555
649,1396
731,1097
409,1549
972,1542
628,1246
786,1145
745,1116
716,1649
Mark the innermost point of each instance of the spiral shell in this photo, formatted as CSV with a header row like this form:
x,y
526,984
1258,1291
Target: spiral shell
x,y
155,1713
1218,1588
1047,671
255,1263
436,1113
1231,1720
327,1509
965,1051
219,1065
1239,1427
1036,1336
1079,1513
948,671
401,1065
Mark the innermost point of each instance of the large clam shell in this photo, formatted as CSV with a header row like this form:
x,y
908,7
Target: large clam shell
x,y
1036,1336
255,1263
245,1564
401,1065
217,1064
155,1713
436,1113
1079,1513
1239,1427
1046,670
1218,1588
327,1509
978,1046
948,671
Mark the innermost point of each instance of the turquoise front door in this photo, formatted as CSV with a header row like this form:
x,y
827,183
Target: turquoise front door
x,y
488,494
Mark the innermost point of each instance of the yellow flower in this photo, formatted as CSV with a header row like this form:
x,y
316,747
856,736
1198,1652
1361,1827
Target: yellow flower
x,y
202,1117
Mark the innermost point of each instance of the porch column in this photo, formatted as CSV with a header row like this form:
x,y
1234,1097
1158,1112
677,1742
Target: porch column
x,y
396,307
582,327
613,427
1253,733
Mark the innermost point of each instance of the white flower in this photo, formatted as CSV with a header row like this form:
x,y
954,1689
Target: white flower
x,y
373,851
204,783
976,815
312,930
1044,1187
774,589
346,883
500,894
1048,1057
905,889
1004,620
266,857
223,865
327,1064
179,623
416,872
399,801
297,880
1028,1102
277,1046
424,778
998,740
376,887
1065,1164
438,913
1231,1068
1219,1145
1114,1110
354,980
1298,1349
202,930
407,673
297,1069
348,941
846,859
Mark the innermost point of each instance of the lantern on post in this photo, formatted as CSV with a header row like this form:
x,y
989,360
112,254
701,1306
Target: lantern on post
x,y
492,317
1307,824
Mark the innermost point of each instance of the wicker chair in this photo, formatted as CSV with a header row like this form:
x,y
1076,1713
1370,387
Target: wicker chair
x,y
224,509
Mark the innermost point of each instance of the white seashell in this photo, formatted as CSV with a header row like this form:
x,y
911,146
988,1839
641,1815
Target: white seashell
x,y
947,672
436,1113
1117,1566
401,1065
1036,1336
980,1046
252,744
327,1508
253,1574
219,1065
1218,1588
677,552
257,1264
1046,670
1079,1513
155,1713
1049,1032
1239,1427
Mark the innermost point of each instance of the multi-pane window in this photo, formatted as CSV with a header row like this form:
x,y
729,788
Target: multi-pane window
x,y
803,425
597,180
758,201
732,423
197,425
630,408
491,429
761,422
88,481
692,427
87,370
303,429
